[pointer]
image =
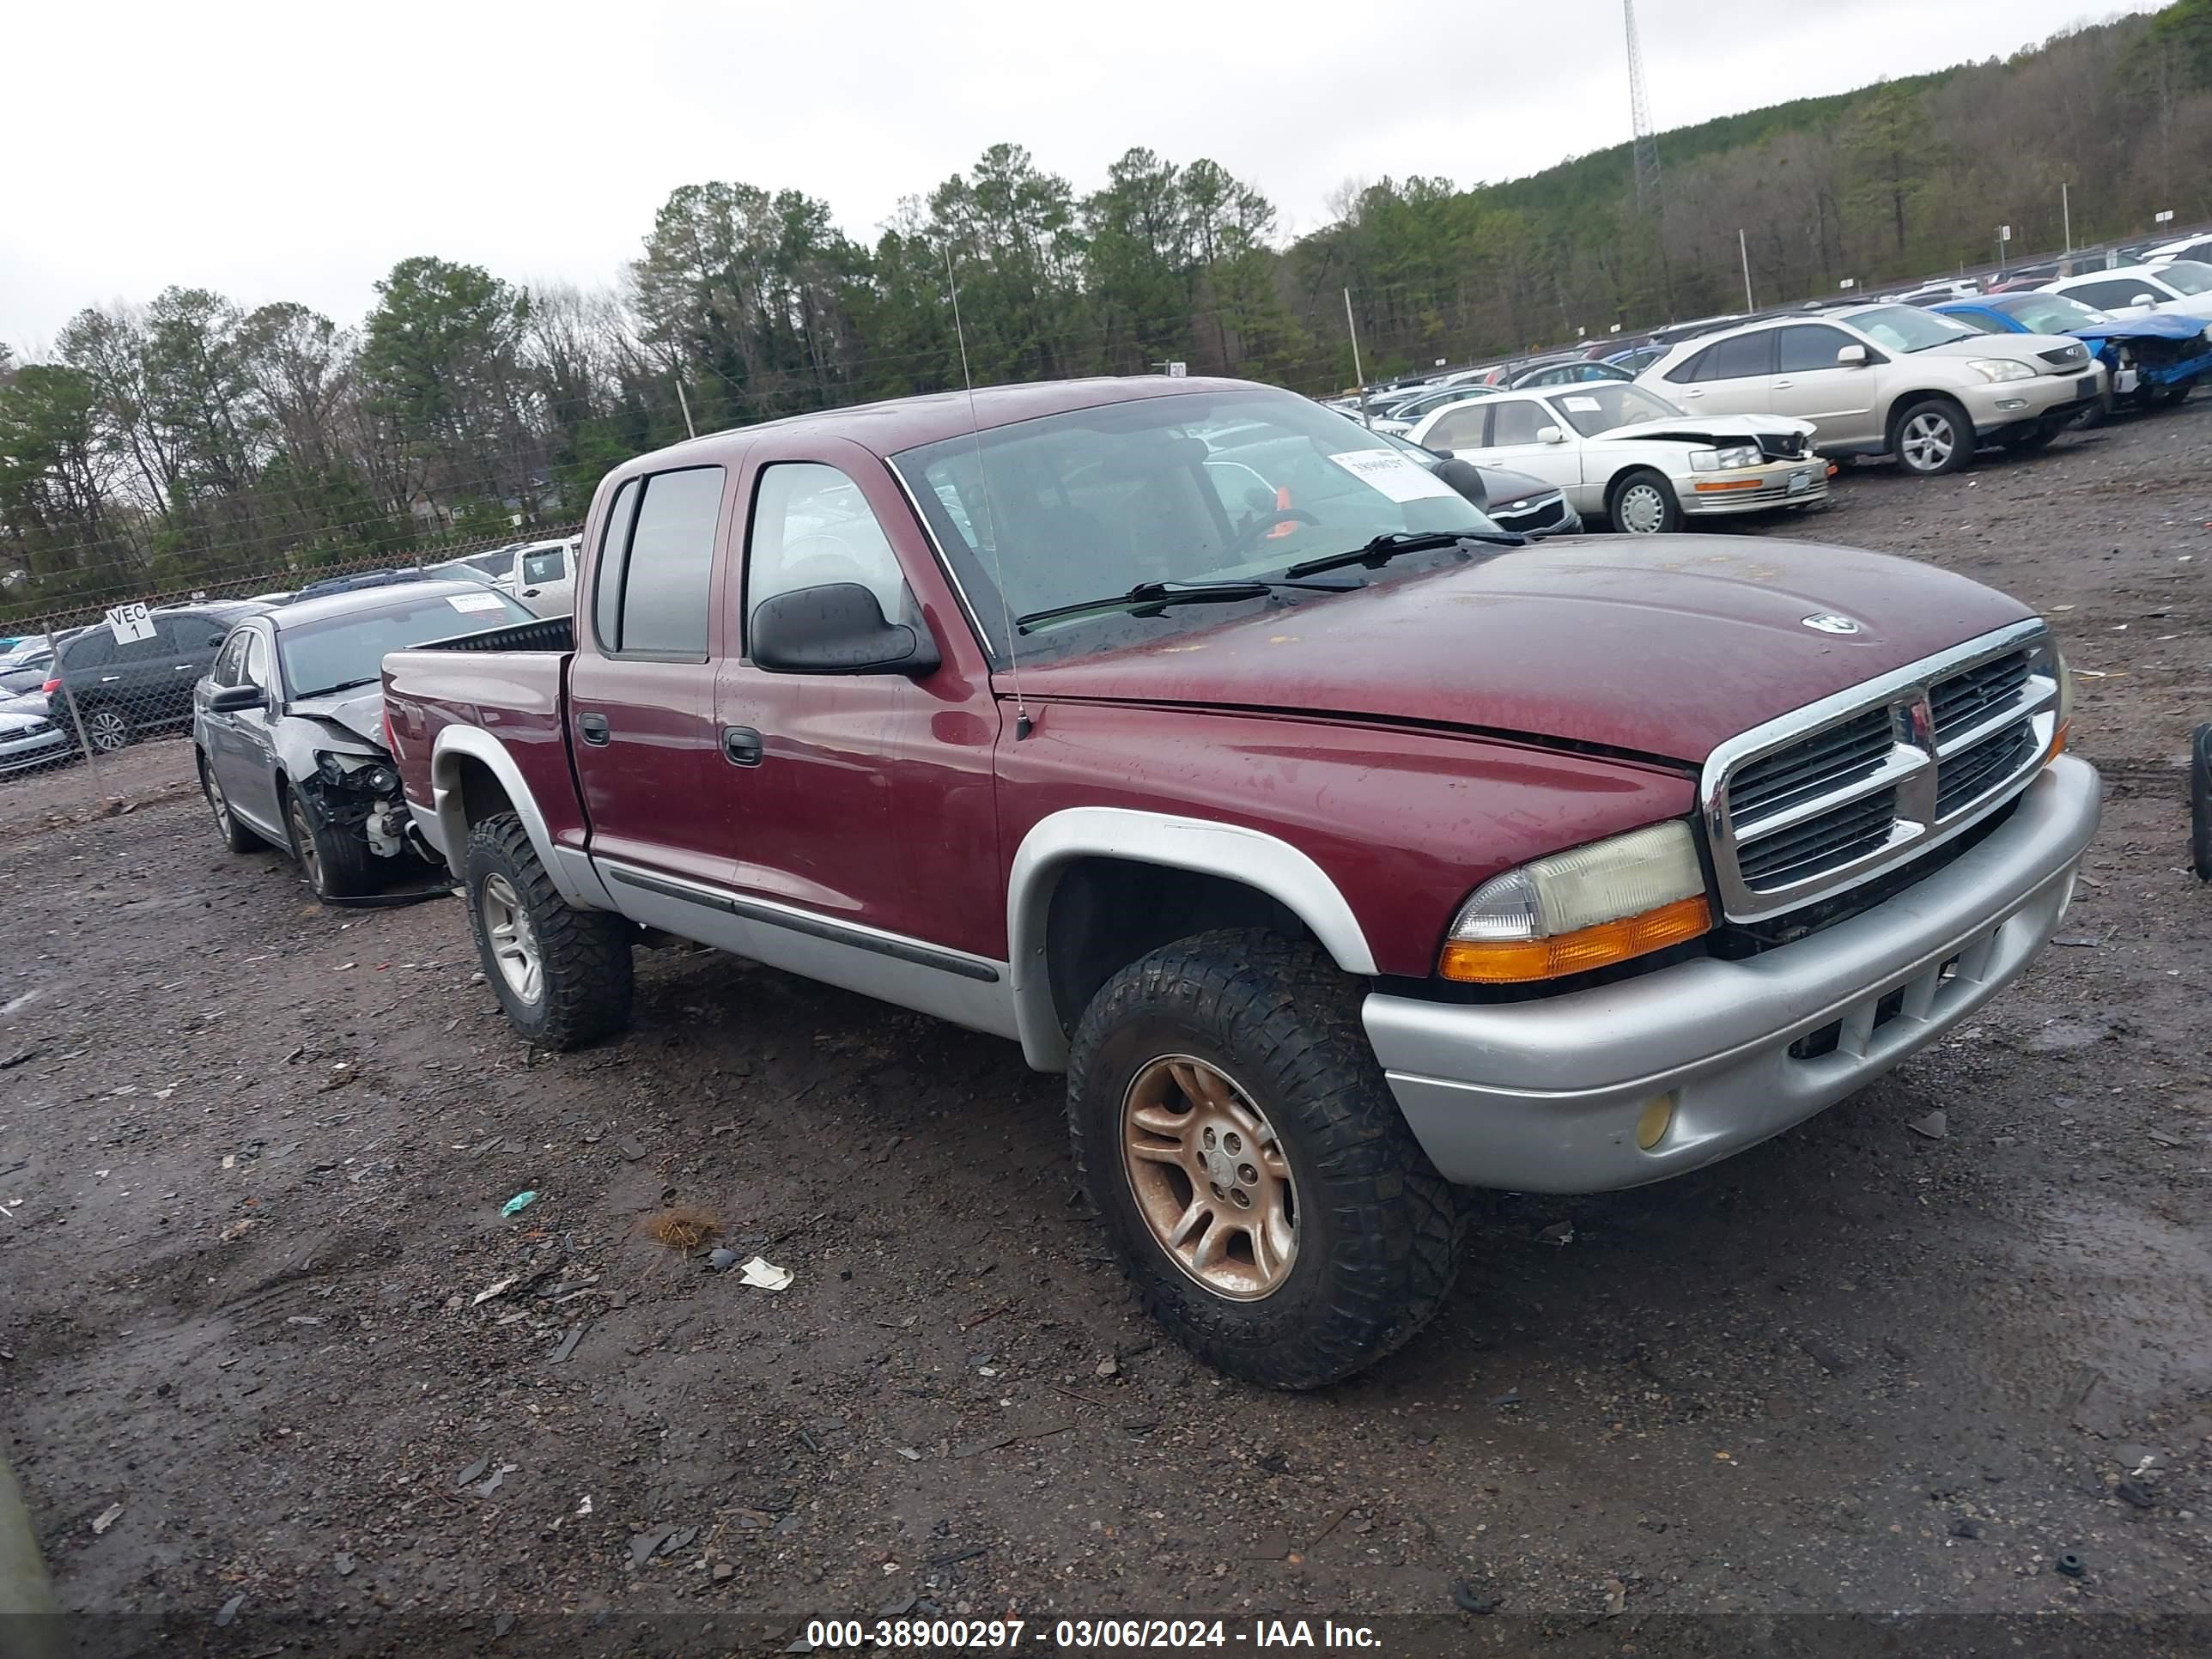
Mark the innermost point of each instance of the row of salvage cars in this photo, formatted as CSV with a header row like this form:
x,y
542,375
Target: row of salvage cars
x,y
1746,414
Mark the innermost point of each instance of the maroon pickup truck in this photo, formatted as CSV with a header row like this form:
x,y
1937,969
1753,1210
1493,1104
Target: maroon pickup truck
x,y
1341,848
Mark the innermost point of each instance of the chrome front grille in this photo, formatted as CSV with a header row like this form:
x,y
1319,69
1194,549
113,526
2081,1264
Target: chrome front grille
x,y
1822,799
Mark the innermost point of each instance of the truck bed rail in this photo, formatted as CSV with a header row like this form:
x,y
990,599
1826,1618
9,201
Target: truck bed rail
x,y
542,634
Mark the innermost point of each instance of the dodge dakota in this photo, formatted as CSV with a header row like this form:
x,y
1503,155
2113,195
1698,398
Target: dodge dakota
x,y
1342,849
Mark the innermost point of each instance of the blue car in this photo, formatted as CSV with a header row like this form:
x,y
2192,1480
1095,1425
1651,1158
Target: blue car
x,y
2154,360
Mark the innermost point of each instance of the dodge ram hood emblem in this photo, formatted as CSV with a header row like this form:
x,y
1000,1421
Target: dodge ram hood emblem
x,y
1827,621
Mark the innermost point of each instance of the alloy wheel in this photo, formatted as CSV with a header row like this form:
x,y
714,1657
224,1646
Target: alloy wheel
x,y
1210,1178
303,843
1928,441
108,730
514,940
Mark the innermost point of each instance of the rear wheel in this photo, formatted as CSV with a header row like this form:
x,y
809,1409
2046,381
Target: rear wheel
x,y
1251,1169
1933,437
334,859
562,974
107,728
235,836
1642,503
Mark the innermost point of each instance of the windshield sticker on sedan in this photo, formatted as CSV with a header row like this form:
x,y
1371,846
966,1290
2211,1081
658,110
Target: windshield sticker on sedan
x,y
1393,475
1584,405
474,601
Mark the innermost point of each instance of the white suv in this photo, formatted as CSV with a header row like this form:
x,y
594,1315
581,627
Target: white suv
x,y
1887,380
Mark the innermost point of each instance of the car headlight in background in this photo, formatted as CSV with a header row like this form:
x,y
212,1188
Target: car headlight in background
x,y
1588,908
2001,368
1712,460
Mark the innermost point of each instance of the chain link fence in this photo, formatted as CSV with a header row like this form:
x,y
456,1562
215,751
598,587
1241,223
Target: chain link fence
x,y
94,696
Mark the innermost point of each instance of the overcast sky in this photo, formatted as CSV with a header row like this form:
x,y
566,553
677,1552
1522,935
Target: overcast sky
x,y
296,151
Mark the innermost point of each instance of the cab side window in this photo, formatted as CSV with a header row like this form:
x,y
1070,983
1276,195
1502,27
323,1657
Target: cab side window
x,y
812,526
657,565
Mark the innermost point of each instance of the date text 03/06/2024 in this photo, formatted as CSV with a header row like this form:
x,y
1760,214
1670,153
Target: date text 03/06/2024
x,y
1085,1635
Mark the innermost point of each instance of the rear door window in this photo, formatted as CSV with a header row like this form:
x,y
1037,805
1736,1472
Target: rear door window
x,y
658,605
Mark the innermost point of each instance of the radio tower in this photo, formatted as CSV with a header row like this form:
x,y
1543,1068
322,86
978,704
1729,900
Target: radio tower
x,y
1647,142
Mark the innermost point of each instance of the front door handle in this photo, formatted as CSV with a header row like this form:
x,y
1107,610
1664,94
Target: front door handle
x,y
595,728
109,679
1784,385
741,745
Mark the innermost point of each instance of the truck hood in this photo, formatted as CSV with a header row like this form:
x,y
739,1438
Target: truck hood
x,y
1658,646
359,710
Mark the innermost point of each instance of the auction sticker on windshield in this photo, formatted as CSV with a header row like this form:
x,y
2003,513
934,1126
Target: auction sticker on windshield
x,y
1585,405
1393,475
474,601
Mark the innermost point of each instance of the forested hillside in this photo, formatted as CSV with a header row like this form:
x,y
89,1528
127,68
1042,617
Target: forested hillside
x,y
186,437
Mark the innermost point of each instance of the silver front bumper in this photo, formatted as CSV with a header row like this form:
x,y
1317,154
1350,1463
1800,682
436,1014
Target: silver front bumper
x,y
1544,1097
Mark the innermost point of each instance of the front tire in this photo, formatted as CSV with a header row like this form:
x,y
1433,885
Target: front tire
x,y
1642,503
334,860
1933,437
563,975
235,836
1258,1181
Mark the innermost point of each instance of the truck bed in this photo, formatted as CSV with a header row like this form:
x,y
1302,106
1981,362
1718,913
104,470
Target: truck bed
x,y
509,684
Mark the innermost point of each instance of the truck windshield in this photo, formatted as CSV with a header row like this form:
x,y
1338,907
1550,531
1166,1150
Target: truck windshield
x,y
1203,487
338,653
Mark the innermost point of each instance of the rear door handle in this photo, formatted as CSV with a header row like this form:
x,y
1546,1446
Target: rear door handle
x,y
109,679
594,728
1784,385
741,745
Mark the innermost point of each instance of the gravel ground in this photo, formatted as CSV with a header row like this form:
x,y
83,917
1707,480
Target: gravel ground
x,y
267,1344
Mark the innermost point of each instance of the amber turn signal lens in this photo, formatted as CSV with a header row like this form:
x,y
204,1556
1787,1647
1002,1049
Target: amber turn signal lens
x,y
2058,742
1517,962
1716,488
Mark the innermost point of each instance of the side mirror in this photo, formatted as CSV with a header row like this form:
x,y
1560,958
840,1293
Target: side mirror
x,y
236,699
1465,476
1551,435
1851,357
2144,300
835,629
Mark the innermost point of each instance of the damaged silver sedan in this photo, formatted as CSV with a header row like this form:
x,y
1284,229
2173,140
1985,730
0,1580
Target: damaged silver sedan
x,y
1628,455
290,740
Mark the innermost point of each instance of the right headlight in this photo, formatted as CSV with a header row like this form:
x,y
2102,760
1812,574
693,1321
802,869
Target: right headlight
x,y
1590,907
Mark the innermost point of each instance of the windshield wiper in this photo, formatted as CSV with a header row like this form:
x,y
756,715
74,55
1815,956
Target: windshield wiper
x,y
1150,598
1384,548
343,685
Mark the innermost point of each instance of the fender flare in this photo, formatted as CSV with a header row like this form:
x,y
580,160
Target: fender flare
x,y
571,872
1250,857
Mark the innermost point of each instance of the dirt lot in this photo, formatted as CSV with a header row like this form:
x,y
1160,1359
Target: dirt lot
x,y
256,1289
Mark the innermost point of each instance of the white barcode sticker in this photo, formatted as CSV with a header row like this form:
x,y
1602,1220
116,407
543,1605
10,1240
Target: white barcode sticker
x,y
1584,405
475,601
